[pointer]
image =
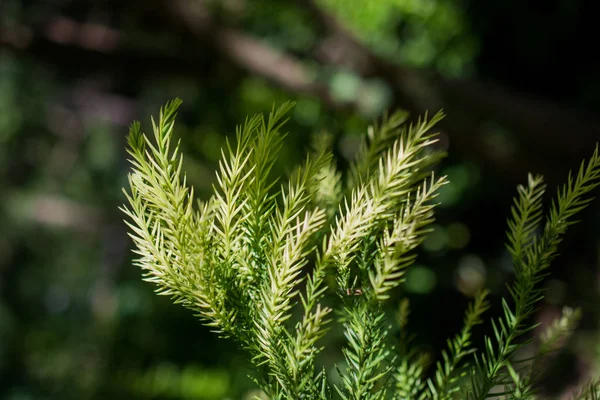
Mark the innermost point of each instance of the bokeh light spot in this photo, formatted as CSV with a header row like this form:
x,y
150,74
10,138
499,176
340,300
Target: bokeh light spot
x,y
420,279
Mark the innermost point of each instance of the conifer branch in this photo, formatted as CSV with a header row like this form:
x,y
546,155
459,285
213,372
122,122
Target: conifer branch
x,y
379,138
551,339
407,233
327,191
234,178
367,350
409,379
538,254
265,144
526,216
447,375
238,260
379,198
366,353
170,237
409,375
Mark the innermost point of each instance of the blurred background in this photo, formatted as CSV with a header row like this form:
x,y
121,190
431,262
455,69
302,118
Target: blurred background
x,y
518,80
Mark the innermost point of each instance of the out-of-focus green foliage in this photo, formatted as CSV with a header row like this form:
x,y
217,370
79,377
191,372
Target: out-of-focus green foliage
x,y
420,33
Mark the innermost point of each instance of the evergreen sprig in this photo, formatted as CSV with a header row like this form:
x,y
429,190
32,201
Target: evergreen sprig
x,y
531,258
449,372
551,339
259,250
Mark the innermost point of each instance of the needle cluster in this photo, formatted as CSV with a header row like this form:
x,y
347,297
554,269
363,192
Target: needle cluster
x,y
258,253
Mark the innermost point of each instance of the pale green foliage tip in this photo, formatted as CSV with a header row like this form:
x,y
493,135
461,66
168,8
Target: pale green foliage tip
x,y
259,248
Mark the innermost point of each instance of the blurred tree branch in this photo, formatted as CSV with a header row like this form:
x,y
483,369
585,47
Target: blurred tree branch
x,y
250,53
477,111
473,107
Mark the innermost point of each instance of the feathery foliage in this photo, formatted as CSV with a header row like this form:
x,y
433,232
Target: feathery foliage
x,y
448,373
590,392
551,339
531,257
256,251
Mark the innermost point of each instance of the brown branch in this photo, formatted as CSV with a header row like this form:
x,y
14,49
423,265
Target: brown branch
x,y
56,211
249,53
61,40
79,57
339,46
